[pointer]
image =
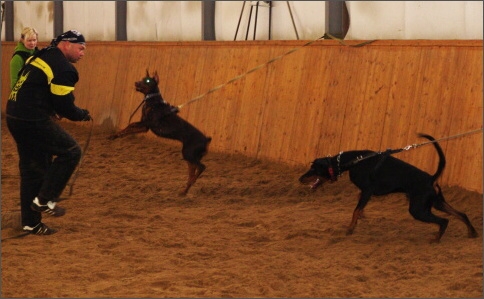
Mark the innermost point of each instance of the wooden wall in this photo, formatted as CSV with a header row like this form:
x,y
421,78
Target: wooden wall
x,y
316,101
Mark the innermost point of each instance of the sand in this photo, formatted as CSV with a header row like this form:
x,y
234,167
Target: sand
x,y
247,228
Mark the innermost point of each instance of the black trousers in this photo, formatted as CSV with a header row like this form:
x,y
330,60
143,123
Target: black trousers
x,y
48,156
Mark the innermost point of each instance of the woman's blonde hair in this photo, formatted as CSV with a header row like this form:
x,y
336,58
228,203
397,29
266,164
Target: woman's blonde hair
x,y
28,32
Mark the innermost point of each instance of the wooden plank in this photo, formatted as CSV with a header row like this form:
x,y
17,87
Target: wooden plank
x,y
253,101
319,100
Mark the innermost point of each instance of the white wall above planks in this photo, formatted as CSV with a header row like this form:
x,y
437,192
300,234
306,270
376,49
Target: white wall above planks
x,y
181,20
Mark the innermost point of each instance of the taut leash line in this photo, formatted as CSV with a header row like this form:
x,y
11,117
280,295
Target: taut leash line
x,y
408,147
246,73
443,138
326,35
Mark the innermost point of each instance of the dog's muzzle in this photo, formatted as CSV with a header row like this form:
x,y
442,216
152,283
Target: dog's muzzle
x,y
312,180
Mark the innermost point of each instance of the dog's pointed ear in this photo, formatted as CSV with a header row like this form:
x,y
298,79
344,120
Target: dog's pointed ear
x,y
155,76
147,73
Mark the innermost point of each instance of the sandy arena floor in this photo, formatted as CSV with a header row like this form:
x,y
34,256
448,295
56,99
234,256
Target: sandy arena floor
x,y
246,229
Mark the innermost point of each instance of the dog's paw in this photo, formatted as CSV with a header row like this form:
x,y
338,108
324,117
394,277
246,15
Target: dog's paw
x,y
472,233
349,231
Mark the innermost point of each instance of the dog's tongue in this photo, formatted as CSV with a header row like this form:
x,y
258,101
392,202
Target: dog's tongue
x,y
316,184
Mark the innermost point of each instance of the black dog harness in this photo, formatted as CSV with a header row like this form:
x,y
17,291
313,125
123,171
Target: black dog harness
x,y
357,160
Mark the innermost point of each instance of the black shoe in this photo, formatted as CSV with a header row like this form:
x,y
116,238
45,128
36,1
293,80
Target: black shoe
x,y
50,208
39,229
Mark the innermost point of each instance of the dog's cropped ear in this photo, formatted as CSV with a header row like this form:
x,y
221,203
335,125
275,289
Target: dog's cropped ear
x,y
147,73
155,76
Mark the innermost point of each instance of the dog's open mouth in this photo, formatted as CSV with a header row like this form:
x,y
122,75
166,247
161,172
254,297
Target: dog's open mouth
x,y
313,181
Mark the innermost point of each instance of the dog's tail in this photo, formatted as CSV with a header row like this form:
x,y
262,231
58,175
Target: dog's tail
x,y
441,166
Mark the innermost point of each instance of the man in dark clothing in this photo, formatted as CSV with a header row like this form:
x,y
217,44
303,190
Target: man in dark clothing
x,y
48,155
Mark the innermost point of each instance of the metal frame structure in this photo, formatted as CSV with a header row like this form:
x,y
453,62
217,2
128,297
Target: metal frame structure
x,y
269,3
337,20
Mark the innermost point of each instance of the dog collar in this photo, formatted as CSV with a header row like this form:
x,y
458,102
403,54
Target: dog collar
x,y
150,95
338,159
332,176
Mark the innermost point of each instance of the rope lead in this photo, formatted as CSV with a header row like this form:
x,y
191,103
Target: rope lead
x,y
84,150
326,35
446,138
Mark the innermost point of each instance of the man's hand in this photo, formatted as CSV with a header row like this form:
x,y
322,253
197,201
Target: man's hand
x,y
87,116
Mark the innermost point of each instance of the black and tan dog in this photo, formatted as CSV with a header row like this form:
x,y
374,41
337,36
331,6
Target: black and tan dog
x,y
162,119
376,173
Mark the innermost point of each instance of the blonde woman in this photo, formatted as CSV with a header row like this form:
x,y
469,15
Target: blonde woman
x,y
26,47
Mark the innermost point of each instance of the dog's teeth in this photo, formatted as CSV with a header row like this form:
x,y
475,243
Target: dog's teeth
x,y
315,184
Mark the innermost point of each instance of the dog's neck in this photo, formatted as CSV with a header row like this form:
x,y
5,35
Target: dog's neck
x,y
349,159
150,95
334,168
154,98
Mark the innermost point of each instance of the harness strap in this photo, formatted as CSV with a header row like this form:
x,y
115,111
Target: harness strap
x,y
362,158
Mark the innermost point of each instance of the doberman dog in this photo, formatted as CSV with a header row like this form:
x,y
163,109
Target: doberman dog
x,y
162,119
379,173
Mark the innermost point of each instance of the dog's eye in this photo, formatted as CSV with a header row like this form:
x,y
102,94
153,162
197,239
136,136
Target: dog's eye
x,y
147,80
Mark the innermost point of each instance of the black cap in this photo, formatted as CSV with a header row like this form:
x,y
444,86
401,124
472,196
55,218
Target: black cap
x,y
72,36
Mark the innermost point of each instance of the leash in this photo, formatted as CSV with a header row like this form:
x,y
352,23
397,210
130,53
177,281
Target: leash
x,y
131,116
325,36
19,235
443,138
84,150
406,148
148,96
16,236
341,41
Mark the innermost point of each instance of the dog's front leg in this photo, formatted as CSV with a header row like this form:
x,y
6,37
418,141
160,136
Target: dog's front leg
x,y
358,212
137,127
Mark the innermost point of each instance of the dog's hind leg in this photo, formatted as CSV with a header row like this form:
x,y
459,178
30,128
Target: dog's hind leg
x,y
200,169
420,208
193,155
441,205
192,176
